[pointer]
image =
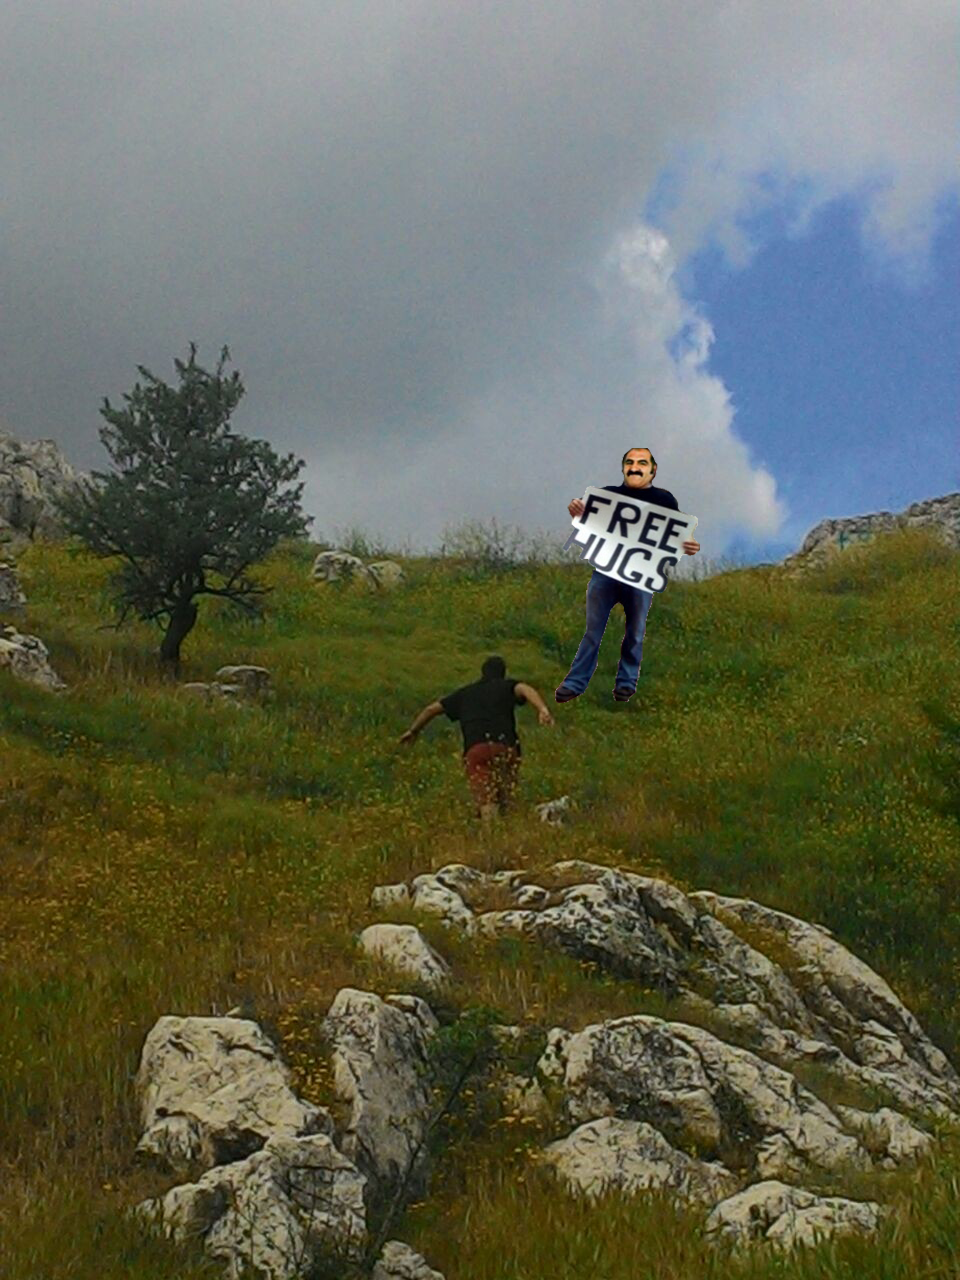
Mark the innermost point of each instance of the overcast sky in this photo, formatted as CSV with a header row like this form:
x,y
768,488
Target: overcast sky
x,y
464,255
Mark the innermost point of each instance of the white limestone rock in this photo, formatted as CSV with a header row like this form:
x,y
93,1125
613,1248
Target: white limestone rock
x,y
834,537
282,1211
404,947
469,883
398,1261
555,812
212,1090
698,1089
858,1007
787,1216
385,575
384,896
890,1137
531,896
252,681
381,1069
430,894
32,474
339,566
629,1155
27,658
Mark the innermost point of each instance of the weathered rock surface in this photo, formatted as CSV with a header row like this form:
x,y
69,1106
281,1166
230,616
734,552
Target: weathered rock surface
x,y
787,1215
284,1209
698,1090
28,659
251,680
338,566
399,1262
385,575
830,537
855,1010
381,1069
389,895
213,1090
12,599
404,947
554,811
430,894
31,474
828,1008
628,1155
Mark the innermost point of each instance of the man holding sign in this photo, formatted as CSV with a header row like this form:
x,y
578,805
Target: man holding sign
x,y
631,538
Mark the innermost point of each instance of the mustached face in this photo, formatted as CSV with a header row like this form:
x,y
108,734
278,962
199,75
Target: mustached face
x,y
638,470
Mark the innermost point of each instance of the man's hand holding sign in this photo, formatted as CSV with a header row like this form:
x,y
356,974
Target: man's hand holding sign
x,y
631,534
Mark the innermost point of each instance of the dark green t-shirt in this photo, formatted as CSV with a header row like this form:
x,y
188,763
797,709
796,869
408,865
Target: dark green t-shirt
x,y
485,710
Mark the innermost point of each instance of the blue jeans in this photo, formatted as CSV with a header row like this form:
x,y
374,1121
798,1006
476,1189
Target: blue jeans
x,y
602,594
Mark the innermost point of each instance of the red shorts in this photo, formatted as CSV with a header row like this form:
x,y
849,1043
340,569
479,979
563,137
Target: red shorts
x,y
492,771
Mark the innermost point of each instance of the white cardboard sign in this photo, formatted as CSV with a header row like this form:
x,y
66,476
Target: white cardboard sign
x,y
628,539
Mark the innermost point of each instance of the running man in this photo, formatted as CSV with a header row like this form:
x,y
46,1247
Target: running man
x,y
491,748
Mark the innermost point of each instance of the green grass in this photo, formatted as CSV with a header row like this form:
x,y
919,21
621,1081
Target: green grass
x,y
793,742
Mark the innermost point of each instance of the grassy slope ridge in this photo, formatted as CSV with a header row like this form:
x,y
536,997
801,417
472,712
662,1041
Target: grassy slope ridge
x,y
796,743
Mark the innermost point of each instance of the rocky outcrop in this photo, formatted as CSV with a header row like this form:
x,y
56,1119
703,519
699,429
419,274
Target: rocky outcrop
x,y
282,1192
711,1105
404,948
31,475
628,1155
832,536
213,1090
293,1204
235,685
699,1091
653,1102
341,566
379,1055
12,599
786,1216
28,659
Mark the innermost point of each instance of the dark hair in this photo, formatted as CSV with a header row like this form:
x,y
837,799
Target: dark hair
x,y
638,446
494,668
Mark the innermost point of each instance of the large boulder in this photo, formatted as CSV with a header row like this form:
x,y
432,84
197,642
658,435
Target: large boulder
x,y
786,1215
28,659
214,1090
404,948
32,474
697,1089
385,575
288,1208
382,1071
628,1155
339,566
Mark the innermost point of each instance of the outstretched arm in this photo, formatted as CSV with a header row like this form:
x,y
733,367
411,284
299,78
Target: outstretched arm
x,y
531,695
424,718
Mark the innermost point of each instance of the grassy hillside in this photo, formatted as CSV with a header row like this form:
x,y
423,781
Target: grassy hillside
x,y
797,743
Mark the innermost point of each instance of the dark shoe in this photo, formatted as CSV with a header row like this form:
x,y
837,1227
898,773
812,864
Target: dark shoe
x,y
564,694
623,695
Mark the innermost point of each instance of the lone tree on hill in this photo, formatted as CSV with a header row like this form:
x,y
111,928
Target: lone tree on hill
x,y
190,505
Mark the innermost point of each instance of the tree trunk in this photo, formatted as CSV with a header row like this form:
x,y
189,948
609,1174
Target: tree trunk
x,y
182,618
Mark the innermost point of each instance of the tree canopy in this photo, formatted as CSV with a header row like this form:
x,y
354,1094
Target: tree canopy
x,y
190,506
